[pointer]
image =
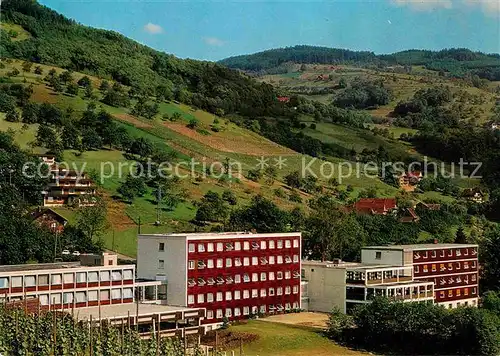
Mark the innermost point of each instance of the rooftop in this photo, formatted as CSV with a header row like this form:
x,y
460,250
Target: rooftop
x,y
124,310
219,235
430,246
39,266
348,265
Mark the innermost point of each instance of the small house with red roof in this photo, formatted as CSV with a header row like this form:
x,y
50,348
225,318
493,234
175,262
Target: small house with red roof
x,y
375,206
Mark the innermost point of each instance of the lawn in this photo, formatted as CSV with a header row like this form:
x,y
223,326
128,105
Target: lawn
x,y
23,135
285,340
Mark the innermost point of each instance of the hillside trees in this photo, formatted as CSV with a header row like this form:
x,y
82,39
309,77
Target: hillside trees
x,y
363,94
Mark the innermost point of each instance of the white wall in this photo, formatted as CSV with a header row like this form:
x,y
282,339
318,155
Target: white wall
x,y
388,257
326,287
175,271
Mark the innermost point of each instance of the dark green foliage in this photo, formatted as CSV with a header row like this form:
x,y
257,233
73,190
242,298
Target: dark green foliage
x,y
418,328
193,123
38,70
212,207
141,147
91,140
104,86
30,113
132,187
229,197
363,94
460,236
116,98
72,89
490,259
84,82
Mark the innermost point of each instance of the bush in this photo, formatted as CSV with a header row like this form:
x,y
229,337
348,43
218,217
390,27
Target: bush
x,y
313,126
295,197
193,123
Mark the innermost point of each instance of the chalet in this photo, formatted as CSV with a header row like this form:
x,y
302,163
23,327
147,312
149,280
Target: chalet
x,y
375,206
474,194
69,187
410,179
49,219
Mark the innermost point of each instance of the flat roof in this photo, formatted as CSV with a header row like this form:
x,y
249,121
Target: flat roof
x,y
349,265
124,310
39,266
219,235
429,246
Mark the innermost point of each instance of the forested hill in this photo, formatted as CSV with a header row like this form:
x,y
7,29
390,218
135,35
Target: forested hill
x,y
457,61
56,40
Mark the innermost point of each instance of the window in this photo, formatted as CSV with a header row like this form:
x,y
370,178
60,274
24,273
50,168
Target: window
x,y
29,281
441,294
127,293
288,244
237,278
255,261
255,310
426,254
271,276
116,294
92,295
466,265
219,296
295,258
210,263
263,245
255,277
127,274
229,295
104,294
473,264
237,294
210,314
474,291
457,265
295,243
246,294
433,253
161,246
220,263
466,252
450,266
288,275
246,245
450,293
295,289
191,264
433,268
473,278
219,313
466,291
280,259
201,298
425,268
92,277
458,292
210,297
280,243
378,255
263,309
271,260
220,246
210,248
161,264
105,276
246,310
190,299
237,262
279,291
416,269
288,259
255,293
237,311
450,252
246,278
55,298
56,279
80,297
287,290
246,261
441,253
458,252
271,244
201,248
228,313
271,292
237,246
229,262
263,293
191,247
279,275
43,279
263,276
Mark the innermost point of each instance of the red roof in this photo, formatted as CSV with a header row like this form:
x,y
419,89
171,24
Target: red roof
x,y
283,99
378,206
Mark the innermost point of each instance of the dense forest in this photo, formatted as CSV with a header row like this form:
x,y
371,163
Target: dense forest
x,y
64,43
457,61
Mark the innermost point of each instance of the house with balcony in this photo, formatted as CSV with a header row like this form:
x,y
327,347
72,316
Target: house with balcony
x,y
69,187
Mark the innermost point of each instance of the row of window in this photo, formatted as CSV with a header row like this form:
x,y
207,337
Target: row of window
x,y
247,310
83,297
445,267
239,261
246,278
66,278
238,245
457,292
238,294
417,255
443,281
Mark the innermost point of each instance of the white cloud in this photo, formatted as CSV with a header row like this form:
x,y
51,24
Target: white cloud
x,y
213,41
424,5
490,7
152,28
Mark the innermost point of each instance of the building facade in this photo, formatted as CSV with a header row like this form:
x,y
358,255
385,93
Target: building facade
x,y
346,284
453,268
232,275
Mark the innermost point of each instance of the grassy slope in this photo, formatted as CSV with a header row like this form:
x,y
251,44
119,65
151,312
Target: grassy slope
x,y
279,339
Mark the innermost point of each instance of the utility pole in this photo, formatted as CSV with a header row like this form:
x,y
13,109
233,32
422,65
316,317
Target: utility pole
x,y
158,205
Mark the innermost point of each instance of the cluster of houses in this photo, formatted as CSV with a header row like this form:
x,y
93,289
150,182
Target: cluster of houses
x,y
190,283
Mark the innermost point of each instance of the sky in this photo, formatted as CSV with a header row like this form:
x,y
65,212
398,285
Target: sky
x,y
213,30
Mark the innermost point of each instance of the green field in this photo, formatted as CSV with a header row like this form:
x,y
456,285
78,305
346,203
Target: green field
x,y
285,340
